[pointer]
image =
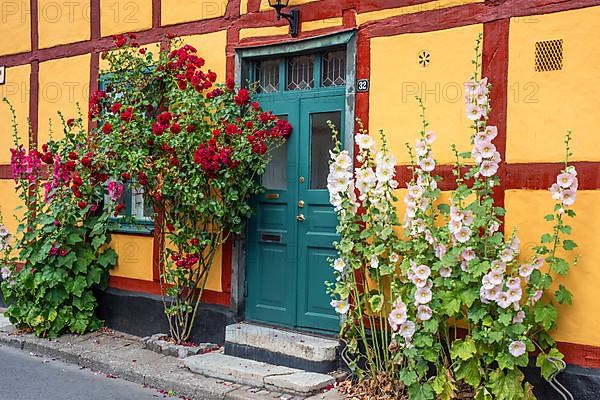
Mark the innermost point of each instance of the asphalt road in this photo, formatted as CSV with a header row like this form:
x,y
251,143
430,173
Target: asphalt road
x,y
24,376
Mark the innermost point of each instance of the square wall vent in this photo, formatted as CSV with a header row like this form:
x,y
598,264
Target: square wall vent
x,y
549,55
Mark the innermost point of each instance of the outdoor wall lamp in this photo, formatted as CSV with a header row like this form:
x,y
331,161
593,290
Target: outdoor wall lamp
x,y
293,17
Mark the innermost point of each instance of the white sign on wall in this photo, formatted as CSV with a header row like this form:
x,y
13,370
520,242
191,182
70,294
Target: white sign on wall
x,y
2,74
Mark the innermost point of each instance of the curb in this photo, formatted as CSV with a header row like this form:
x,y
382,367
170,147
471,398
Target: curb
x,y
123,356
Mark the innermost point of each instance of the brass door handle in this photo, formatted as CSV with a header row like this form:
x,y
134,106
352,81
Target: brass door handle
x,y
301,204
301,218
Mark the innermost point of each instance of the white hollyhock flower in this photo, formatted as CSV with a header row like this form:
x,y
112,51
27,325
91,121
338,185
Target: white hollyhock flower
x,y
488,168
374,262
487,149
421,148
467,254
525,270
568,197
384,174
423,295
424,313
445,272
339,265
430,137
5,273
396,318
507,255
364,142
514,294
517,348
491,132
503,300
463,234
474,112
340,306
422,271
407,330
3,231
519,317
565,180
427,164
385,160
514,282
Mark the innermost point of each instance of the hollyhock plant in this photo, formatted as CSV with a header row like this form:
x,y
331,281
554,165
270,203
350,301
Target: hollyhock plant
x,y
458,305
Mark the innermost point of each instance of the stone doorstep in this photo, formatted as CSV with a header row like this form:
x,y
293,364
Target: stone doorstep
x,y
258,374
293,344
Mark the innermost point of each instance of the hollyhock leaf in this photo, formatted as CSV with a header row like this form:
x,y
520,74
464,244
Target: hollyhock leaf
x,y
408,376
506,386
444,209
464,350
569,244
546,362
560,266
545,314
566,229
483,394
376,302
547,238
505,319
469,371
549,217
108,258
505,361
477,313
420,391
563,296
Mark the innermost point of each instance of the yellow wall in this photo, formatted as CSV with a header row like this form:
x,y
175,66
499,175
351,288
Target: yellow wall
x,y
178,11
63,83
321,24
577,323
428,6
265,31
396,77
544,105
10,201
15,23
211,47
264,4
63,22
135,256
16,90
119,16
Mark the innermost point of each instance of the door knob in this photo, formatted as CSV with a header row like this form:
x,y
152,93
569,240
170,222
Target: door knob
x,y
301,218
301,204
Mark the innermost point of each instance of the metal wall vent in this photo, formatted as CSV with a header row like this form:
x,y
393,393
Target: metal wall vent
x,y
549,55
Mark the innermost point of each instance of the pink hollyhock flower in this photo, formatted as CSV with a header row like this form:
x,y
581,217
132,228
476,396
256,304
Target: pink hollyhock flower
x,y
463,235
520,317
491,132
468,217
538,262
423,295
427,164
421,148
487,283
525,270
513,283
555,191
407,330
568,197
467,254
514,294
487,149
565,180
536,297
445,272
396,318
430,137
507,255
440,250
418,282
503,300
456,214
488,168
517,348
496,276
422,272
115,190
424,313
474,112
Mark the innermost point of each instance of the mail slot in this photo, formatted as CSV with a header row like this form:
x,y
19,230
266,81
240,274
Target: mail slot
x,y
271,237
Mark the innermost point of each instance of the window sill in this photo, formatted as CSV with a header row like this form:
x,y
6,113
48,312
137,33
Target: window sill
x,y
142,228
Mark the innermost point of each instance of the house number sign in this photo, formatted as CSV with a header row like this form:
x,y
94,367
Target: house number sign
x,y
362,85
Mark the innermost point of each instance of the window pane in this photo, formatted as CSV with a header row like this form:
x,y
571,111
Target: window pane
x,y
140,211
300,73
275,176
266,75
321,143
333,68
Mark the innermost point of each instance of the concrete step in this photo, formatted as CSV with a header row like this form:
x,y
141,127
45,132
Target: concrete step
x,y
258,374
281,347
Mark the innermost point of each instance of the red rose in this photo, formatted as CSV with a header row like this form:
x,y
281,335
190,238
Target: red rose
x,y
86,162
194,242
190,128
158,129
212,76
256,106
73,155
127,115
81,204
142,51
170,227
77,181
249,124
115,108
126,176
142,179
174,161
230,83
107,128
231,129
242,98
175,128
70,165
164,118
118,209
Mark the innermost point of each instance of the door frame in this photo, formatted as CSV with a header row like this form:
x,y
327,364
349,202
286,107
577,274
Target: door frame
x,y
243,55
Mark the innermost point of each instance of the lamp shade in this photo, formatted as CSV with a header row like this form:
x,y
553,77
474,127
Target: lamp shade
x,y
278,3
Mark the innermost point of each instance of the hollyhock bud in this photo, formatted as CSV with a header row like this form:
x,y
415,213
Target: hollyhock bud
x,y
106,128
70,122
115,108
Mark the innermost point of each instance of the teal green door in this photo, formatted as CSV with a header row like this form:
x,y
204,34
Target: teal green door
x,y
290,239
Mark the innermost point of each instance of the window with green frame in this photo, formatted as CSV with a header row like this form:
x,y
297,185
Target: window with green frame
x,y
136,216
309,71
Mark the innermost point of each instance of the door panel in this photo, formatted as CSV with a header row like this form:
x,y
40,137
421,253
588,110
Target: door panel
x,y
272,234
317,232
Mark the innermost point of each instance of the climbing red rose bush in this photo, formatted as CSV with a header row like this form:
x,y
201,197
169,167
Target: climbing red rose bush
x,y
445,304
195,148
